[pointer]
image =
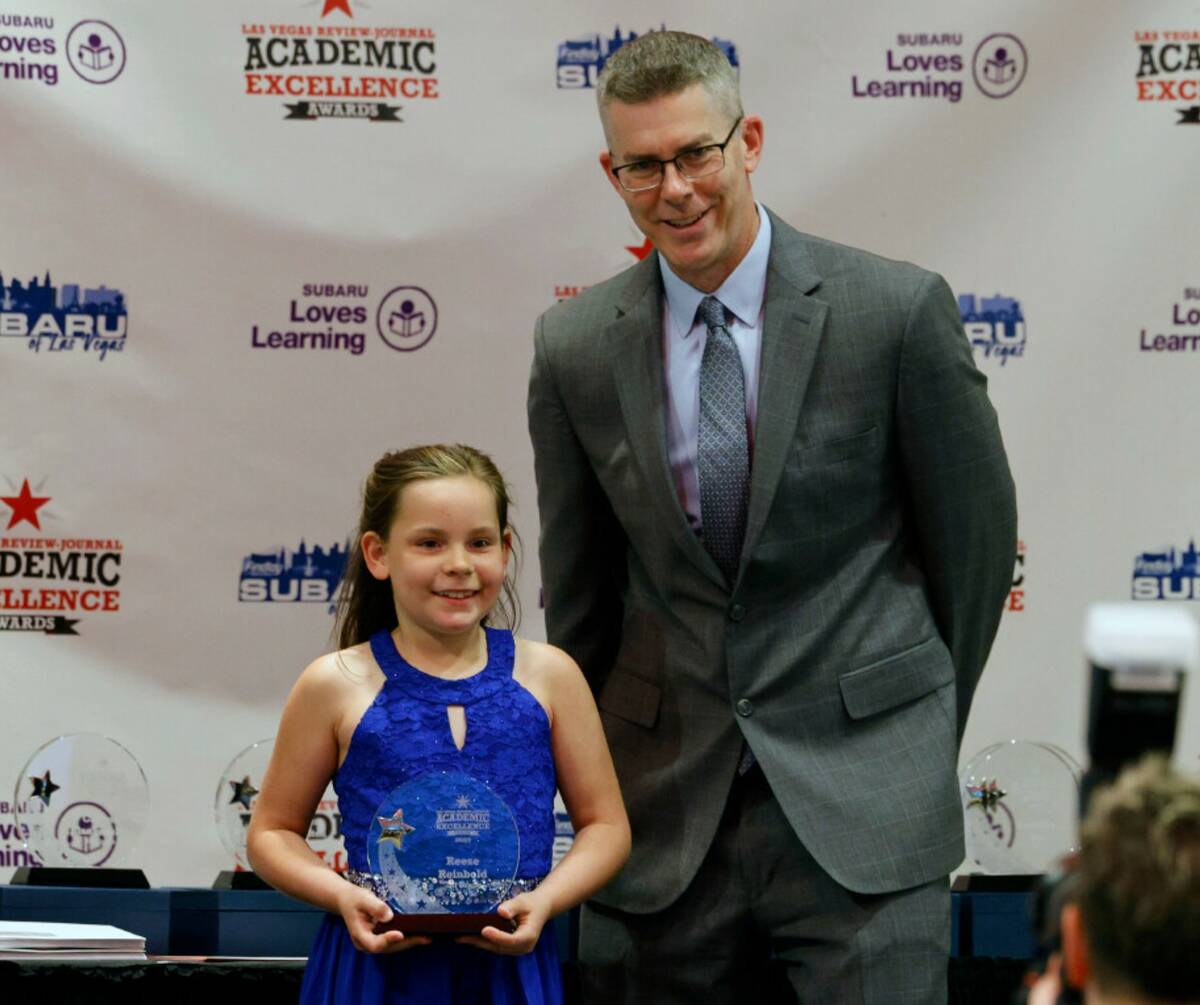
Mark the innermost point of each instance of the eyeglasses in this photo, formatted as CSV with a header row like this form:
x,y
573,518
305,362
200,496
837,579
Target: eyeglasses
x,y
643,175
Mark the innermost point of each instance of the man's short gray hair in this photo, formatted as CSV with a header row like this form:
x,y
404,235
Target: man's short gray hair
x,y
667,62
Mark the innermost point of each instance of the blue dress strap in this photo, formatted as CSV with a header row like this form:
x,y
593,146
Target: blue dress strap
x,y
502,650
415,683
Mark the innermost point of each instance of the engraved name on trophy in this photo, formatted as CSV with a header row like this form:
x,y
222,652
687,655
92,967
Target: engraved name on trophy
x,y
444,851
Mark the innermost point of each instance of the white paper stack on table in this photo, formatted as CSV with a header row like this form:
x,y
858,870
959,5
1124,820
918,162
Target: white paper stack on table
x,y
52,940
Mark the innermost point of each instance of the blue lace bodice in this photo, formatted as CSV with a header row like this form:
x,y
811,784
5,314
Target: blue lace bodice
x,y
406,733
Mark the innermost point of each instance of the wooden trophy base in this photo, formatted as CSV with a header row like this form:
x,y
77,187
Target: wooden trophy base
x,y
444,924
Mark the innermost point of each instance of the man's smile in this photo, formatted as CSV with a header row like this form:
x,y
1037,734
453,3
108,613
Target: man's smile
x,y
685,222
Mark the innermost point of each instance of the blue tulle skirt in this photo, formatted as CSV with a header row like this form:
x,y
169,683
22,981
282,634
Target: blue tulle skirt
x,y
444,973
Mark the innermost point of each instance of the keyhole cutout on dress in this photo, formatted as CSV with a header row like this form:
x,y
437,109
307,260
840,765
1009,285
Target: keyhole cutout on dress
x,y
457,716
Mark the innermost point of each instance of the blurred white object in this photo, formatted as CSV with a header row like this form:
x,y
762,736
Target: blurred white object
x,y
1141,636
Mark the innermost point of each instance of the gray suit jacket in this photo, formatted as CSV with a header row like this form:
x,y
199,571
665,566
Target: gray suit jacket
x,y
879,550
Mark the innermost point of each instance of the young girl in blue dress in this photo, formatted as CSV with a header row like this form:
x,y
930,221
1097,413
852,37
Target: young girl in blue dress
x,y
422,682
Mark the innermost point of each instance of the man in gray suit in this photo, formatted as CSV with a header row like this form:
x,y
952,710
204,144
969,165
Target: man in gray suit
x,y
778,528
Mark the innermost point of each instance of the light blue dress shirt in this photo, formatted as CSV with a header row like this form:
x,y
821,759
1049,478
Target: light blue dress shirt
x,y
683,348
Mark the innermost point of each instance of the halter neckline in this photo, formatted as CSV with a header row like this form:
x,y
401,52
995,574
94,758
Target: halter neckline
x,y
426,687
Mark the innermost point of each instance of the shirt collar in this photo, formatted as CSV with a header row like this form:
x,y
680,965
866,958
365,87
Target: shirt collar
x,y
742,292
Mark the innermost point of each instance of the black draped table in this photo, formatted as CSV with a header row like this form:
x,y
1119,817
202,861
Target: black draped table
x,y
223,942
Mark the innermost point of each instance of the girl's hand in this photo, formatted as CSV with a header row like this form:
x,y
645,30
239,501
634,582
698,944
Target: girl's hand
x,y
361,910
529,914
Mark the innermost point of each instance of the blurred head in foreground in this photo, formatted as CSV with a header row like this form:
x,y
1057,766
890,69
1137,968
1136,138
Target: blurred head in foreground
x,y
1133,933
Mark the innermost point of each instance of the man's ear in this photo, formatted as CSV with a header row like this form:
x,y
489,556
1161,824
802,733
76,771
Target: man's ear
x,y
752,136
374,552
606,162
1077,965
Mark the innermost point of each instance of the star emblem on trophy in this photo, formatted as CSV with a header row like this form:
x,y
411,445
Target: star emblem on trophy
x,y
243,792
986,795
44,788
394,829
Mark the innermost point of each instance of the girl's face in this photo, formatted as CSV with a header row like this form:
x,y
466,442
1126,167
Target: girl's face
x,y
445,554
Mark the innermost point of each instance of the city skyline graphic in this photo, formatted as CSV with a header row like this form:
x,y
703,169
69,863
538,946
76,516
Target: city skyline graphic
x,y
289,569
595,49
40,296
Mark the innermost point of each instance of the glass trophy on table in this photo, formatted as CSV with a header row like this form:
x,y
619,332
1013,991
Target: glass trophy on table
x,y
444,851
1020,802
81,803
237,794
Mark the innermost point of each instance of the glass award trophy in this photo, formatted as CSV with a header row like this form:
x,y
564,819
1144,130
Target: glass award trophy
x,y
81,803
443,850
237,794
1020,802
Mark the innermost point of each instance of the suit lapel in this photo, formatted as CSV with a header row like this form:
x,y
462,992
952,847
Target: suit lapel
x,y
793,324
636,340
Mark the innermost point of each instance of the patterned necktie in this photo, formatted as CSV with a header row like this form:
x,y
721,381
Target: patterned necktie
x,y
723,454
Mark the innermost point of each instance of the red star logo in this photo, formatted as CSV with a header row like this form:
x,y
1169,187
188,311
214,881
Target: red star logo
x,y
643,251
342,5
25,506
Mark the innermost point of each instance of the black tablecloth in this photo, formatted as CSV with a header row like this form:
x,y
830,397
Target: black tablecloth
x,y
973,981
161,983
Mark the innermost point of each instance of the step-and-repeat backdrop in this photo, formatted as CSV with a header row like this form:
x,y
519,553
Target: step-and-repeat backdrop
x,y
247,247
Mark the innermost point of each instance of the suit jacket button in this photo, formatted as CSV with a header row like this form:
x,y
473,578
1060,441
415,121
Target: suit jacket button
x,y
737,612
745,707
